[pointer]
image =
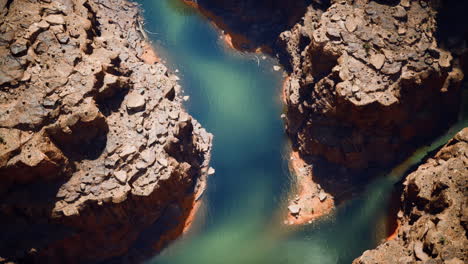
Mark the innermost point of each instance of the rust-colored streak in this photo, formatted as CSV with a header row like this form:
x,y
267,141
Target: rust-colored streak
x,y
306,189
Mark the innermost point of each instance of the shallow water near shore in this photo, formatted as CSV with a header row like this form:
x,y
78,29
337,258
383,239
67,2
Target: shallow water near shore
x,y
236,96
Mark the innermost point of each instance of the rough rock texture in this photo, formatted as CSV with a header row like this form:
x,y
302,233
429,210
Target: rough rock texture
x,y
369,81
433,218
95,147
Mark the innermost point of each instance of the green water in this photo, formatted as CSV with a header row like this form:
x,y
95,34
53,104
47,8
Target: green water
x,y
236,97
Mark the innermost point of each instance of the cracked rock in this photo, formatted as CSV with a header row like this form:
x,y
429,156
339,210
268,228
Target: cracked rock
x,y
136,102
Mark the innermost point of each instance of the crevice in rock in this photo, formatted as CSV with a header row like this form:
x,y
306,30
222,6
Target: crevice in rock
x,y
7,6
111,103
387,2
93,31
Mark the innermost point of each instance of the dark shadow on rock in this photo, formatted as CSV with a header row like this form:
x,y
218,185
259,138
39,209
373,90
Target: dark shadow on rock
x,y
26,211
451,23
256,23
87,140
340,182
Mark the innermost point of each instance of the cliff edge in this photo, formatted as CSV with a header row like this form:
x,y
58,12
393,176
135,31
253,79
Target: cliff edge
x,y
369,82
433,217
95,147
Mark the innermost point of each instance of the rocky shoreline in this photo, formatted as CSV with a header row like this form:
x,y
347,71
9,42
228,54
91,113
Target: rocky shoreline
x,y
433,218
96,149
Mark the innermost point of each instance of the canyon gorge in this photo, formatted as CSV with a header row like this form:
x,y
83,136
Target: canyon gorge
x,y
318,117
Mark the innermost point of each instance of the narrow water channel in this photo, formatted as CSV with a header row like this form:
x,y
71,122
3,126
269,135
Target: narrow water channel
x,y
236,97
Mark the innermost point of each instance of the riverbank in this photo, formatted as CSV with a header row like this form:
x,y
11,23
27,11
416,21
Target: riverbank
x,y
309,201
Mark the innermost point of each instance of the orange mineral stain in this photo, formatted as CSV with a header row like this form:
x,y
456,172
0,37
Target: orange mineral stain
x,y
305,196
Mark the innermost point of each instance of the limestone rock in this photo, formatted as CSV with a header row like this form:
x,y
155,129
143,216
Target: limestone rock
x,y
121,176
136,102
377,60
55,19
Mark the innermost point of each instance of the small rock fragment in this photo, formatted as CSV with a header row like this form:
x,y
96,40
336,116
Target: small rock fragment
x,y
148,156
55,19
401,31
135,102
109,185
43,24
71,197
18,48
294,209
391,68
405,3
121,176
333,32
445,59
163,162
351,24
419,252
322,196
140,165
377,60
399,12
211,171
127,150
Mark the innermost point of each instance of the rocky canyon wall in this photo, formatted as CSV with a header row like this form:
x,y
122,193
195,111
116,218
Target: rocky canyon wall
x,y
95,147
370,82
433,216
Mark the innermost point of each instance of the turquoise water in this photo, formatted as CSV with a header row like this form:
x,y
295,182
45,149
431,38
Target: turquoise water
x,y
235,96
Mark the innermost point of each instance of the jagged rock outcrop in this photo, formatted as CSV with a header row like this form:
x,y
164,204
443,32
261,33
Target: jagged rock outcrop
x,y
369,81
433,217
95,147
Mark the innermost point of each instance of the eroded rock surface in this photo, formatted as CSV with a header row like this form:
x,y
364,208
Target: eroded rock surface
x,y
433,218
95,147
369,81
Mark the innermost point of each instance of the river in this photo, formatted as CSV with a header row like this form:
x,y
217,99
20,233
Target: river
x,y
236,96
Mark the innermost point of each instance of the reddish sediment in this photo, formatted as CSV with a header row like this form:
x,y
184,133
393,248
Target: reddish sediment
x,y
305,199
149,55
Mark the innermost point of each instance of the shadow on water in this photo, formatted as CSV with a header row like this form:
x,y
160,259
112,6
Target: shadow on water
x,y
236,97
254,23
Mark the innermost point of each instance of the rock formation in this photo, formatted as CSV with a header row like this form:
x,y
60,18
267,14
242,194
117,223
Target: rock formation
x,y
433,217
369,81
95,147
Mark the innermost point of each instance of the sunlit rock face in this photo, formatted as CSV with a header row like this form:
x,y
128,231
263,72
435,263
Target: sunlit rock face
x,y
95,147
370,81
